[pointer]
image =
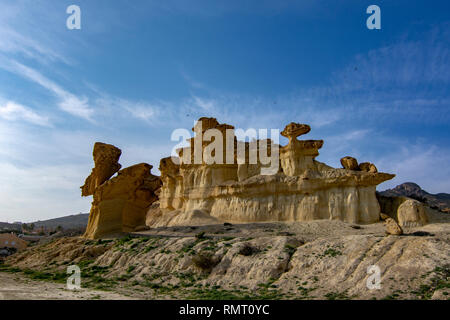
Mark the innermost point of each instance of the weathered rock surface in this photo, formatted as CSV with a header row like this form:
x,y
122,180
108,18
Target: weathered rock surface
x,y
412,213
389,204
238,192
121,203
383,216
392,227
368,167
299,260
349,163
407,212
106,159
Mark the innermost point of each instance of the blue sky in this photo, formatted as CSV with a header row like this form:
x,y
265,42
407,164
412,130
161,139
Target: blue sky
x,y
135,72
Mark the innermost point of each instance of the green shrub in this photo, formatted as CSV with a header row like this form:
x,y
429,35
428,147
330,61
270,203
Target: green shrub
x,y
248,250
205,261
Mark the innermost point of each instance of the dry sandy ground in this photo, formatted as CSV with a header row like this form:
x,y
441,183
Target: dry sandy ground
x,y
18,287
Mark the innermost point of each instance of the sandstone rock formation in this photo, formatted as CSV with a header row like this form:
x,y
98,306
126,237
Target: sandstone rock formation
x,y
106,160
392,227
121,203
368,167
412,213
407,212
349,163
238,191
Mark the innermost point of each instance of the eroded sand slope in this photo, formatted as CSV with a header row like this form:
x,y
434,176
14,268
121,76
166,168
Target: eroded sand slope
x,y
303,260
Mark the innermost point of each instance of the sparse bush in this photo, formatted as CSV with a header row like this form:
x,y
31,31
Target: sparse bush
x,y
227,238
200,235
337,296
332,252
290,249
248,250
123,240
205,261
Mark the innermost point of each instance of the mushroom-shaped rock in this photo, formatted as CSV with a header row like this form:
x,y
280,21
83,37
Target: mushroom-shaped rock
x,y
412,213
293,130
350,163
368,167
392,227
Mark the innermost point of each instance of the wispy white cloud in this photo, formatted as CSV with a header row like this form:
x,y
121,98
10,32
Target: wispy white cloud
x,y
405,63
151,113
26,30
141,111
70,103
13,42
12,111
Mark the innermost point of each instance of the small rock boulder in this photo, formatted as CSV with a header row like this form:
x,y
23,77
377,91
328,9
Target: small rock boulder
x,y
368,167
383,216
392,227
350,163
412,213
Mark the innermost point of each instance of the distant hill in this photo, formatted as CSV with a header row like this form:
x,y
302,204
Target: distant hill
x,y
10,226
68,222
439,201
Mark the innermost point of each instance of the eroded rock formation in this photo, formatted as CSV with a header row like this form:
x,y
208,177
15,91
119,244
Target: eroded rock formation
x,y
412,213
392,227
239,191
351,163
119,204
106,160
406,211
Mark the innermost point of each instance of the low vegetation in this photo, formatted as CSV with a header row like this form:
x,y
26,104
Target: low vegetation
x,y
202,266
205,261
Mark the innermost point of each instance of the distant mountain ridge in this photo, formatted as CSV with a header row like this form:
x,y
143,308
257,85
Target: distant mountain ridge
x,y
10,226
439,201
68,222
